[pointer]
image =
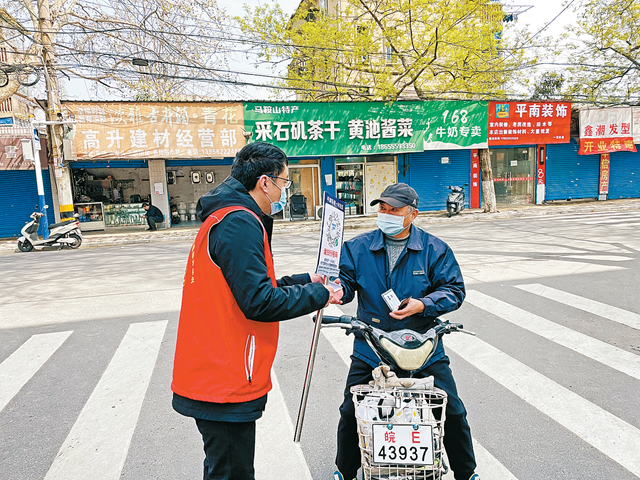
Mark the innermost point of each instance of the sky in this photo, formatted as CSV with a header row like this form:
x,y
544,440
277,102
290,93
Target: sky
x,y
539,16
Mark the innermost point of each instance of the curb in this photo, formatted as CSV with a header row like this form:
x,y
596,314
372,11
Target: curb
x,y
368,222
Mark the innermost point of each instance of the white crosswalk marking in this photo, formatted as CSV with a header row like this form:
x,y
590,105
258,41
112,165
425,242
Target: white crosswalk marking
x,y
602,352
609,312
23,364
604,431
488,465
98,442
277,455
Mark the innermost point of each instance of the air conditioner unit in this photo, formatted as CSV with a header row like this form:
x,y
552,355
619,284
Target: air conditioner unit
x,y
319,212
195,177
171,178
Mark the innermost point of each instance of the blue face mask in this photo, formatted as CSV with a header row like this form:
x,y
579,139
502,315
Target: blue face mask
x,y
278,206
390,225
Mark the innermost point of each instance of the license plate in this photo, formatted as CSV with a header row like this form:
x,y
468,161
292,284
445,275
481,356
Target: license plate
x,y
402,444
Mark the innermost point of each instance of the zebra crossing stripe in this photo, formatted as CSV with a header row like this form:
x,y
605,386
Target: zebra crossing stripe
x,y
488,465
277,455
590,347
98,442
599,428
23,364
609,312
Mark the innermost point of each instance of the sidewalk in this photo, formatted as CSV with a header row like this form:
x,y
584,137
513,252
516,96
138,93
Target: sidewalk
x,y
128,236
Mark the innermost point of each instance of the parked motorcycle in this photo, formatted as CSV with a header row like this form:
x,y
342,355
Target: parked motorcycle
x,y
455,200
400,423
63,235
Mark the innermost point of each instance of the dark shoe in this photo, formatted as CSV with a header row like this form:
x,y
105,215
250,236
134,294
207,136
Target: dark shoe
x,y
338,476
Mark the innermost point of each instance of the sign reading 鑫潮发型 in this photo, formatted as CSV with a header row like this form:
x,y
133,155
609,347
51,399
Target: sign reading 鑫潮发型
x,y
331,235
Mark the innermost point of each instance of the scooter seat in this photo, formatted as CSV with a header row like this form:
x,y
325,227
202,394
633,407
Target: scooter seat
x,y
60,224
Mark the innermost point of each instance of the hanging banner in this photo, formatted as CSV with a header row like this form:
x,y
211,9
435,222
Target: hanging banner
x,y
338,128
156,130
529,123
455,125
606,130
331,236
636,125
603,187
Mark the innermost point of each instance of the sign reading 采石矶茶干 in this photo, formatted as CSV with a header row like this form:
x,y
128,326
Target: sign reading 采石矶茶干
x,y
331,237
338,128
451,125
524,123
606,130
156,130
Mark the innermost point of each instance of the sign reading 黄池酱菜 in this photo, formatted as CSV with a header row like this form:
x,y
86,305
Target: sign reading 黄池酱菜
x,y
450,125
606,130
156,130
523,123
331,235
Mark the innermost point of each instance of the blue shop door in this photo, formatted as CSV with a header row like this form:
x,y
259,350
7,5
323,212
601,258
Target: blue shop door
x,y
624,174
430,176
569,175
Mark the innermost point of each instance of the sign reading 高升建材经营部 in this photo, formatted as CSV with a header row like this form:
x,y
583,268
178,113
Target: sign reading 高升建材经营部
x,y
331,235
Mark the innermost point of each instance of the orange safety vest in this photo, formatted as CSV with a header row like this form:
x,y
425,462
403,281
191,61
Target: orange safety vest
x,y
221,355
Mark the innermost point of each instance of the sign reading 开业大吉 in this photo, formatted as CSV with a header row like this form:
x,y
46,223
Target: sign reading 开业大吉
x,y
529,123
367,128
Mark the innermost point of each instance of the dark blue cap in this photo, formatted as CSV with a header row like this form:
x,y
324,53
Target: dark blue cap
x,y
398,195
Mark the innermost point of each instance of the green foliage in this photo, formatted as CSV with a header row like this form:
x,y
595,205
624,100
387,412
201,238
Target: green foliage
x,y
386,49
606,57
549,87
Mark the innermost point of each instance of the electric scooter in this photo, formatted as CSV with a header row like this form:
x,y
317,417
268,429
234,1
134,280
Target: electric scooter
x,y
455,200
400,423
63,235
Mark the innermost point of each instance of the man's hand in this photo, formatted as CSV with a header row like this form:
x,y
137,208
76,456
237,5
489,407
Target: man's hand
x,y
414,307
336,297
330,295
316,278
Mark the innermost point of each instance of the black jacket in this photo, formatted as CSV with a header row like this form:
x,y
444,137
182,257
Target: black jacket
x,y
236,245
155,212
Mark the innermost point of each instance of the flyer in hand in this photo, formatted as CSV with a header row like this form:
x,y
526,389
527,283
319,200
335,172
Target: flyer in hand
x,y
331,235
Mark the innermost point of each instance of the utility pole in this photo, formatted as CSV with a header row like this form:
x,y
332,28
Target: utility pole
x,y
54,114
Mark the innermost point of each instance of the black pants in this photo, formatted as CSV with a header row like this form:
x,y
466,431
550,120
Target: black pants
x,y
229,449
457,435
151,221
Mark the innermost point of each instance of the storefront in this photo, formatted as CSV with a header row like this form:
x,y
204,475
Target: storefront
x,y
18,188
570,175
167,154
304,198
624,175
514,175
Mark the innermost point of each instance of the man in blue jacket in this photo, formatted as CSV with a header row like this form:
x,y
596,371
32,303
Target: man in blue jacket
x,y
415,264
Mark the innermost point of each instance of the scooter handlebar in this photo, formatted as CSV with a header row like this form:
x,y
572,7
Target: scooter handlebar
x,y
329,319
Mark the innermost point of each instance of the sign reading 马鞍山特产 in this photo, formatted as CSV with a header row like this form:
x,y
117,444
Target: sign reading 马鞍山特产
x,y
451,125
156,130
331,237
522,123
606,130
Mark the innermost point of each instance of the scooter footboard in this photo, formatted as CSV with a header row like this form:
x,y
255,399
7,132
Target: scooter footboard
x,y
400,432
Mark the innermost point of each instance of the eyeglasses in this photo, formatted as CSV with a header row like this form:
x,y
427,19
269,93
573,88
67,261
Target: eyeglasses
x,y
287,182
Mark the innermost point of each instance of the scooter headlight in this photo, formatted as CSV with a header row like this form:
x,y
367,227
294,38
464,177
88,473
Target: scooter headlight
x,y
409,360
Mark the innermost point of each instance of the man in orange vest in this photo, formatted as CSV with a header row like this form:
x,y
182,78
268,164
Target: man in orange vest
x,y
231,306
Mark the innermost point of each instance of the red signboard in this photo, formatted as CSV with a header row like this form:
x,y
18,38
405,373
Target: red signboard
x,y
604,174
605,130
474,198
524,123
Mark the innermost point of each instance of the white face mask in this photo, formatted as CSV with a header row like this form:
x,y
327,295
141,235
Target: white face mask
x,y
391,225
278,206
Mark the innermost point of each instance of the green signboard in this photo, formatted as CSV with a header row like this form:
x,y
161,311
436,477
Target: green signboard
x,y
458,124
367,128
320,129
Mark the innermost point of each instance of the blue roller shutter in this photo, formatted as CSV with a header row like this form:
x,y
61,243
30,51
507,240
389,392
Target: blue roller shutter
x,y
624,175
570,175
19,199
430,177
